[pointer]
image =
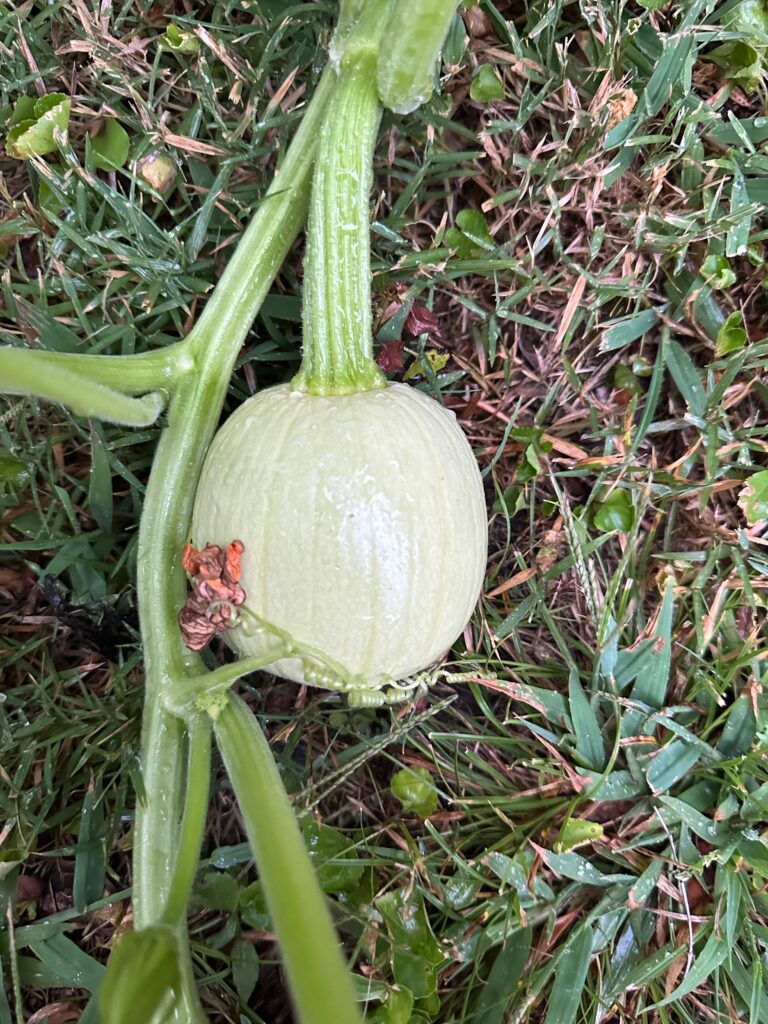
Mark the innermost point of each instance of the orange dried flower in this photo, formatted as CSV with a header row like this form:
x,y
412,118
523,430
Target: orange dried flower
x,y
216,591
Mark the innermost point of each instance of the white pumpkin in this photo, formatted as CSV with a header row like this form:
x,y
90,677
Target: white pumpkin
x,y
364,525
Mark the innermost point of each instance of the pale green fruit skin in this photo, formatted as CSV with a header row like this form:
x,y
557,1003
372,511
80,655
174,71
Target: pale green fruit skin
x,y
364,524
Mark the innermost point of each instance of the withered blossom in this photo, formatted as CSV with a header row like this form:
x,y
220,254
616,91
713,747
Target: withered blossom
x,y
216,591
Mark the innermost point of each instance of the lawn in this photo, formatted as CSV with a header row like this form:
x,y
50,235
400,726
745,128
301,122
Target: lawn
x,y
569,238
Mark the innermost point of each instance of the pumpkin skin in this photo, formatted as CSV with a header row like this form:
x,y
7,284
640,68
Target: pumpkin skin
x,y
363,520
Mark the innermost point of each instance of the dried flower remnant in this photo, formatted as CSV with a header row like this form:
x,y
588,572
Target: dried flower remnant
x,y
216,591
390,359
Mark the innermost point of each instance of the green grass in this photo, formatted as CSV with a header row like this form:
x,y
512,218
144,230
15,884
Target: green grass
x,y
597,851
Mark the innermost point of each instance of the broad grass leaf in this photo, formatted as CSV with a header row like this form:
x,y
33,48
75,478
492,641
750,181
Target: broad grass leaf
x,y
579,869
708,960
100,499
589,738
90,854
755,853
631,663
501,984
572,967
650,685
670,764
62,959
740,729
728,892
749,985
646,883
686,378
702,826
628,329
741,214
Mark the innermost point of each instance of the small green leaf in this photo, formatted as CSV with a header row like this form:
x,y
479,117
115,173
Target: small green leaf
x,y
577,832
627,380
741,61
23,110
470,237
12,470
337,864
415,790
216,890
653,5
245,969
110,147
396,1009
716,271
486,86
474,225
180,40
408,924
749,17
253,907
753,497
142,977
615,513
35,136
731,336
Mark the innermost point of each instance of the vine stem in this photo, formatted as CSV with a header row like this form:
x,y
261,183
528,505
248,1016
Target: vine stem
x,y
193,417
320,982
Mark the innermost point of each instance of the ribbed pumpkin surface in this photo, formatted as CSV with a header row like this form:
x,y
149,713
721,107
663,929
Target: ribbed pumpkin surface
x,y
363,520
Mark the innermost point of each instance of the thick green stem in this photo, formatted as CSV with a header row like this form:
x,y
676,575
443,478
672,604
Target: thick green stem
x,y
319,980
414,37
338,343
131,375
193,821
166,517
23,372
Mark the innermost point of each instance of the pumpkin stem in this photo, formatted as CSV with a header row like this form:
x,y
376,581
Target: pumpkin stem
x,y
338,342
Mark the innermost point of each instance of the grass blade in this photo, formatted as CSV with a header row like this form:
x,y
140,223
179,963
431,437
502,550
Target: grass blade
x,y
572,967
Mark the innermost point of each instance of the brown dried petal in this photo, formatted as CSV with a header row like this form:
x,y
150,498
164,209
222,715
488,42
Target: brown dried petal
x,y
421,320
390,359
196,629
